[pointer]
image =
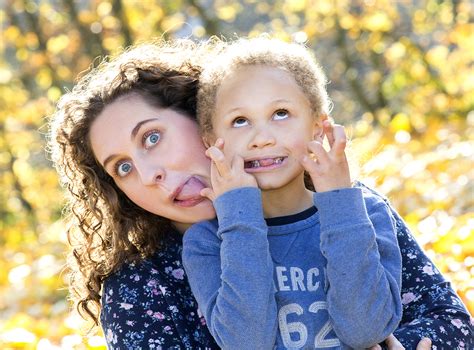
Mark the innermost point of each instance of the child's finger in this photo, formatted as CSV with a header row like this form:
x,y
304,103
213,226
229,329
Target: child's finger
x,y
219,144
318,150
219,160
214,173
309,164
208,193
328,129
238,163
340,140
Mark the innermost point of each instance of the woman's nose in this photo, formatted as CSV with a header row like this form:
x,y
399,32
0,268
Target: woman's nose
x,y
151,174
262,137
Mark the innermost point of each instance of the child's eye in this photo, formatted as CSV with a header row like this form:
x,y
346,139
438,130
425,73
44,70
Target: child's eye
x,y
239,122
122,169
151,138
280,114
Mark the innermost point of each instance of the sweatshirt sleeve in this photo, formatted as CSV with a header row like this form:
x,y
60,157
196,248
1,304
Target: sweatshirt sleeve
x,y
231,272
358,240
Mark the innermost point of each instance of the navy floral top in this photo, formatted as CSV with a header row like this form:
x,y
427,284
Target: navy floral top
x,y
431,308
149,305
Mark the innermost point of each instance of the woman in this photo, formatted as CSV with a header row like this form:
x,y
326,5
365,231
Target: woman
x,y
127,147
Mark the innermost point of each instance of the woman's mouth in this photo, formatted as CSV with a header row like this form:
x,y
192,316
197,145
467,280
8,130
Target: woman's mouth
x,y
189,193
191,202
264,164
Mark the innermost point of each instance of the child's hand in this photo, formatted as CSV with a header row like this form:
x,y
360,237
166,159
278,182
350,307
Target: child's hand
x,y
225,175
329,170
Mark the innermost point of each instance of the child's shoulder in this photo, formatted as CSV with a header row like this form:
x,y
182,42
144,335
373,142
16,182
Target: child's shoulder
x,y
203,230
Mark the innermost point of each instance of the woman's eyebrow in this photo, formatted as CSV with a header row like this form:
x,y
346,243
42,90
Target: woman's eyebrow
x,y
139,125
108,159
132,136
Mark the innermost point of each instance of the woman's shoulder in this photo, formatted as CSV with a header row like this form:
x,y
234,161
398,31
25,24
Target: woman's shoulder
x,y
372,198
150,301
164,264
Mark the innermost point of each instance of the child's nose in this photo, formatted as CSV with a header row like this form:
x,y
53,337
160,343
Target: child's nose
x,y
262,138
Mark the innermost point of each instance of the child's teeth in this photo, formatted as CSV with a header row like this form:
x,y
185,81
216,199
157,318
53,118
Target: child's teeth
x,y
265,162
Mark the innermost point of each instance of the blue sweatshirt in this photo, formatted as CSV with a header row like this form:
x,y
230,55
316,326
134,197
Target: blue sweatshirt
x,y
328,280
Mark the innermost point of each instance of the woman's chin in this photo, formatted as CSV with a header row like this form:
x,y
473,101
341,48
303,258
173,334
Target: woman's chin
x,y
204,210
194,211
201,212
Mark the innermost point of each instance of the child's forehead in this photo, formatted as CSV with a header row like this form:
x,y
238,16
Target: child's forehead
x,y
257,70
259,85
247,74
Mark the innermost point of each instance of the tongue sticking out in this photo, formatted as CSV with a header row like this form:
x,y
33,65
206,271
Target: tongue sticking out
x,y
191,189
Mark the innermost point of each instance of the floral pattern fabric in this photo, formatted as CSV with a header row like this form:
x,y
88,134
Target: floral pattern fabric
x,y
431,308
149,305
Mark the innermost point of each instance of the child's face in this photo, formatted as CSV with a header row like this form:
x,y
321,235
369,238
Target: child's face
x,y
264,116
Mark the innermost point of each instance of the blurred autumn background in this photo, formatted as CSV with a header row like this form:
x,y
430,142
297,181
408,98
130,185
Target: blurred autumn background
x,y
402,80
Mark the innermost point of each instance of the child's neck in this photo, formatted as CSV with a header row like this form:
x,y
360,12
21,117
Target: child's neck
x,y
288,200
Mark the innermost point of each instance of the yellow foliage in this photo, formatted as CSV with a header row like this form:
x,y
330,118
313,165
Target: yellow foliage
x,y
414,137
430,181
378,21
173,22
228,12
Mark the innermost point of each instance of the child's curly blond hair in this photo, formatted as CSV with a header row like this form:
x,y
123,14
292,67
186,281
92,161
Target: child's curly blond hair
x,y
294,58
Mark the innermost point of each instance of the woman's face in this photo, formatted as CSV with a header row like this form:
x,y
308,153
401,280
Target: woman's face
x,y
156,157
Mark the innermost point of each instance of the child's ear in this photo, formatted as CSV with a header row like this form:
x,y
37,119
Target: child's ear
x,y
318,131
207,140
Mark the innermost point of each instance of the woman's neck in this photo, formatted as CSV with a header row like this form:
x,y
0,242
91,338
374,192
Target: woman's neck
x,y
181,227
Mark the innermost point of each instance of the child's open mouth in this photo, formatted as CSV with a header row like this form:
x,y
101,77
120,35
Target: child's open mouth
x,y
263,164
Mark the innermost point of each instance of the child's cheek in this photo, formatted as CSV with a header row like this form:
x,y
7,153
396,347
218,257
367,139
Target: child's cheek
x,y
300,147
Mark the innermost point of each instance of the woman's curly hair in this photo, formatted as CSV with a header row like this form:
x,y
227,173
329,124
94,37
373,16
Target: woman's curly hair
x,y
105,228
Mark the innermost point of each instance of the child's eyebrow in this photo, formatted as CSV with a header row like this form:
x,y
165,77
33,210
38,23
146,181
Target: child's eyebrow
x,y
237,109
232,110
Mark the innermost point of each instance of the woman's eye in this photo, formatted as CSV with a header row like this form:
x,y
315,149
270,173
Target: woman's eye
x,y
123,169
280,114
239,122
151,138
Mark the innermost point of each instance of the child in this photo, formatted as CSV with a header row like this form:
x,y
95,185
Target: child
x,y
332,256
